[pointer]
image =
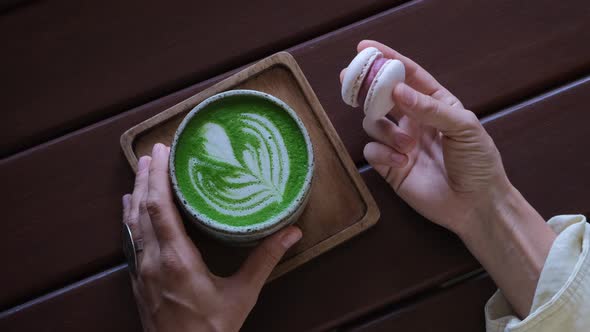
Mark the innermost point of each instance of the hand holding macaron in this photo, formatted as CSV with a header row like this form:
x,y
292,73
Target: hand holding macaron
x,y
438,158
434,153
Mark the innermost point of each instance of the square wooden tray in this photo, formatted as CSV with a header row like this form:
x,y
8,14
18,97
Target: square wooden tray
x,y
340,205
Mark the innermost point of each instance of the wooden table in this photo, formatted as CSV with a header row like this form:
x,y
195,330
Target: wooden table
x,y
75,75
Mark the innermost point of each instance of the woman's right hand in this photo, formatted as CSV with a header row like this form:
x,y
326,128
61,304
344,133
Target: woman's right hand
x,y
441,161
438,157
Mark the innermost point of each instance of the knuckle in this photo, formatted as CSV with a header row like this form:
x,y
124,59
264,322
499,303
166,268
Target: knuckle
x,y
427,106
157,172
132,219
143,208
431,106
415,103
148,272
153,206
173,262
271,254
454,102
470,120
142,172
140,179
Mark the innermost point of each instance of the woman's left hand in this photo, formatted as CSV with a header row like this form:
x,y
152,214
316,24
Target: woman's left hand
x,y
174,289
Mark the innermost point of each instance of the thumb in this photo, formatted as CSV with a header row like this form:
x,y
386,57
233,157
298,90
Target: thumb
x,y
266,256
432,112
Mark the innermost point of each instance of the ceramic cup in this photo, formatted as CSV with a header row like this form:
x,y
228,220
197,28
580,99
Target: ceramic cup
x,y
217,137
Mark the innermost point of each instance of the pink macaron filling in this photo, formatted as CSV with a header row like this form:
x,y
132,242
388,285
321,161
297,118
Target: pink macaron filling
x,y
364,90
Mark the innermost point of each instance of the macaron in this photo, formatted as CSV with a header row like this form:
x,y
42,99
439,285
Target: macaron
x,y
369,81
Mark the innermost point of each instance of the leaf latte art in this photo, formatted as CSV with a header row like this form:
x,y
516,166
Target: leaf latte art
x,y
242,162
252,183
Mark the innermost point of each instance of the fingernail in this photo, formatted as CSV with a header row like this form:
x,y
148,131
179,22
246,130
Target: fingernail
x,y
398,159
126,200
143,163
404,140
292,236
157,148
406,94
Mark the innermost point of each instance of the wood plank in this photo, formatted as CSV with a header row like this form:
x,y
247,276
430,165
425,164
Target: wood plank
x,y
88,171
72,64
79,227
96,82
61,310
7,5
377,263
490,54
545,148
459,308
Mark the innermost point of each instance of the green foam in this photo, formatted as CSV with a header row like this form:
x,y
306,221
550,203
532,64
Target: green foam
x,y
227,113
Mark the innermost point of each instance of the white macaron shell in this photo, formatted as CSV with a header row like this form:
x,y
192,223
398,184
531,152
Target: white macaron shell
x,y
355,74
379,99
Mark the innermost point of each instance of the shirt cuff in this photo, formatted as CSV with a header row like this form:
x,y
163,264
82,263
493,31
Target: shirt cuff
x,y
562,297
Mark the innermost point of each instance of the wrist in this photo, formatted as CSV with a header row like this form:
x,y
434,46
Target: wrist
x,y
498,209
507,216
511,240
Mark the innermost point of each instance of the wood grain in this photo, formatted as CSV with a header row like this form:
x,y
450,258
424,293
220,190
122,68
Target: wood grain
x,y
457,309
71,198
340,205
403,254
111,57
70,64
544,144
490,54
106,311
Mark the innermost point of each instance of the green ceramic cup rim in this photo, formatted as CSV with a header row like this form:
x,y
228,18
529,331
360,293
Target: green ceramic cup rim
x,y
247,233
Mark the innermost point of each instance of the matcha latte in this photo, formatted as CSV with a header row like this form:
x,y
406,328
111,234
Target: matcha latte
x,y
241,165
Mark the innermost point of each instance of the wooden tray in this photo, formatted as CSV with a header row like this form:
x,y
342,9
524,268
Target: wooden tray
x,y
340,205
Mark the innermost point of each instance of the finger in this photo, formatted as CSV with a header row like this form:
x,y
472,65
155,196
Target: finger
x,y
126,207
139,190
342,73
263,259
432,112
390,164
126,212
140,186
388,133
151,252
416,76
379,154
164,216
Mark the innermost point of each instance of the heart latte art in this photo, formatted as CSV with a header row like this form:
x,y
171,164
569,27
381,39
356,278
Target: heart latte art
x,y
241,161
